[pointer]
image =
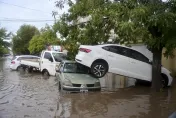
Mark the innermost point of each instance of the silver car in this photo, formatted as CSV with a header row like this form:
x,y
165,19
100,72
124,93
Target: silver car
x,y
73,76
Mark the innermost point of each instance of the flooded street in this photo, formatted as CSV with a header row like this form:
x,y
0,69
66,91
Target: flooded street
x,y
25,95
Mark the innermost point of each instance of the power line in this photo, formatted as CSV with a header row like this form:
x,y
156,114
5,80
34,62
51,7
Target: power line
x,y
24,20
24,7
6,20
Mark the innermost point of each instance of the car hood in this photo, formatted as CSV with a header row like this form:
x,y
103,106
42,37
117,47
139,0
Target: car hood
x,y
80,78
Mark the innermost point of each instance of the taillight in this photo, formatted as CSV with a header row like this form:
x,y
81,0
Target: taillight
x,y
84,50
13,62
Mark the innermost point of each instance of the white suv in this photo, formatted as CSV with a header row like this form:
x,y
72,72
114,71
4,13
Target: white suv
x,y
120,60
15,62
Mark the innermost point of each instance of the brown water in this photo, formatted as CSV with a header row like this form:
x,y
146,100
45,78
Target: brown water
x,y
24,95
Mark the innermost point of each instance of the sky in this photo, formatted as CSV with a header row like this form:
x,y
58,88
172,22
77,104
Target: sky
x,y
42,11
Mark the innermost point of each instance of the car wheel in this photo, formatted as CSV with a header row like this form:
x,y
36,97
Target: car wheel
x,y
99,69
18,68
45,73
164,80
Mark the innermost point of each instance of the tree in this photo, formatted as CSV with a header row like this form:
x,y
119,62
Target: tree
x,y
22,38
38,42
3,44
152,22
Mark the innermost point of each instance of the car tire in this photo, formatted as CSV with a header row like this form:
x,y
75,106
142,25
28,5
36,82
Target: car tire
x,y
18,68
99,69
164,80
45,73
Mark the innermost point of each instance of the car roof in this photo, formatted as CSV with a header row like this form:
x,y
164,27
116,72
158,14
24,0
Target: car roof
x,y
102,45
112,45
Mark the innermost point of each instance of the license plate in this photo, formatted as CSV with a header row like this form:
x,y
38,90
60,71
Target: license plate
x,y
83,88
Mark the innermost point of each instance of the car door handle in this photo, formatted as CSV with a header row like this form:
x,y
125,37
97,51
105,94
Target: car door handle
x,y
133,62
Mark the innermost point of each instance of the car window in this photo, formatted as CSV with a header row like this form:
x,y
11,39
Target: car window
x,y
123,51
19,58
47,55
59,56
110,49
138,56
117,49
75,68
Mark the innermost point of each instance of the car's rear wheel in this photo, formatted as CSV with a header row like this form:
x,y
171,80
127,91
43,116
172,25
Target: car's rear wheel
x,y
99,69
164,80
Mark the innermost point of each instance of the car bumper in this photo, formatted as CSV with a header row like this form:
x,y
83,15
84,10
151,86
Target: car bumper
x,y
82,60
13,67
69,88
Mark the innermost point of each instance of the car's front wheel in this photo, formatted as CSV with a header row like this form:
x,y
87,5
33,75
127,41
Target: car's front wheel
x,y
99,69
45,73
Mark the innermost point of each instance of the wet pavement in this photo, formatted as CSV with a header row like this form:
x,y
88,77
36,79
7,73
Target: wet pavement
x,y
29,95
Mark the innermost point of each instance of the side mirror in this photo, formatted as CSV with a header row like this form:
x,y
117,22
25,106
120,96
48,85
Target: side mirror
x,y
51,59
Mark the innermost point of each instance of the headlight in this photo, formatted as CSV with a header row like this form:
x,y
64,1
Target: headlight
x,y
57,67
67,82
97,83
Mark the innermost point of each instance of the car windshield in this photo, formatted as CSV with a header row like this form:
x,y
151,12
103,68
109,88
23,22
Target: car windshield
x,y
75,68
59,56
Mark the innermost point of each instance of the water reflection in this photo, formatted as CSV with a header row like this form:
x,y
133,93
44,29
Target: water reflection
x,y
31,95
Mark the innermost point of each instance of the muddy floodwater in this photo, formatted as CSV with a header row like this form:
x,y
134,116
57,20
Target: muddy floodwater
x,y
29,95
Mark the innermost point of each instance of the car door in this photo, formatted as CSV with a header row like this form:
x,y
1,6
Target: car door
x,y
48,63
140,66
117,59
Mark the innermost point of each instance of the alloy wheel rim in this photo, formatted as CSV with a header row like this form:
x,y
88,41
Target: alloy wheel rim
x,y
98,70
163,83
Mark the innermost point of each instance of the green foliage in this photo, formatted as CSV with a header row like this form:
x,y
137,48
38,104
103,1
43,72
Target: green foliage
x,y
22,38
3,44
38,42
152,22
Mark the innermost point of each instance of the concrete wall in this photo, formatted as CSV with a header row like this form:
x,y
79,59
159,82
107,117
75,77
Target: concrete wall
x,y
169,63
112,82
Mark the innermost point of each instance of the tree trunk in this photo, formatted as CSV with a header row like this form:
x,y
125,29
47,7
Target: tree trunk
x,y
156,69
